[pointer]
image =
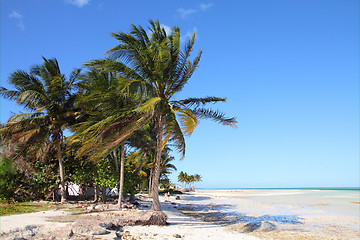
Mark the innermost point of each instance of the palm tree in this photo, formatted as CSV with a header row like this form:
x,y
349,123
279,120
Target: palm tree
x,y
197,178
48,96
104,107
181,178
155,66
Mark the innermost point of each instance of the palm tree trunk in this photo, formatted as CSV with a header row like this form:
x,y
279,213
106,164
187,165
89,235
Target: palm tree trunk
x,y
150,182
95,193
155,180
151,179
103,194
139,170
122,165
61,170
142,163
116,161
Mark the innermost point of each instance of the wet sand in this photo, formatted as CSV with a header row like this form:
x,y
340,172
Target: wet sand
x,y
279,214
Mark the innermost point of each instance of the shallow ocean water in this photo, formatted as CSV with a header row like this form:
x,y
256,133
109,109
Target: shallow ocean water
x,y
339,202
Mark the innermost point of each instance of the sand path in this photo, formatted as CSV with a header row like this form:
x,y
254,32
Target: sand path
x,y
187,227
13,222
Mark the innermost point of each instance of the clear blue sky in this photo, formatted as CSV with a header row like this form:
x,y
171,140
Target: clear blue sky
x,y
290,70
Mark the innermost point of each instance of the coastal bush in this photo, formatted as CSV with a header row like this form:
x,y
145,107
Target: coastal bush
x,y
42,183
171,191
131,178
21,186
10,179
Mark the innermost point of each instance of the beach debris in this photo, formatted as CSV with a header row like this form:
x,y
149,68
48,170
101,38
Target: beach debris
x,y
128,206
100,232
155,218
126,233
91,208
112,226
177,235
26,233
71,233
252,226
267,226
107,225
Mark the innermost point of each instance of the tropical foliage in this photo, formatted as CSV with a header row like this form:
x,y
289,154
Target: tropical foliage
x,y
121,111
47,95
155,66
10,179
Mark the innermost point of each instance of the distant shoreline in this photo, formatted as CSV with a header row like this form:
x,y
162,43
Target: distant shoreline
x,y
301,188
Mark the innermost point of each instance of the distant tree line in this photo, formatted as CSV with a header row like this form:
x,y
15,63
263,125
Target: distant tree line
x,y
187,179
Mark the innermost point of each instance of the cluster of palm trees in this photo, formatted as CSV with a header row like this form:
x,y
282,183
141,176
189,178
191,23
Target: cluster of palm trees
x,y
126,98
188,179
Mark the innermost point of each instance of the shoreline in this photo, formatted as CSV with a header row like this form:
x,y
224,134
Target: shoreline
x,y
280,188
279,214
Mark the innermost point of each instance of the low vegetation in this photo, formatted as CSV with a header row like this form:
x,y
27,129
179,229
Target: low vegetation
x,y
12,207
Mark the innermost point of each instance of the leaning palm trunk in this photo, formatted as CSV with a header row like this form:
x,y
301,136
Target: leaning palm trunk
x,y
61,170
155,179
139,170
150,179
121,182
142,163
116,161
150,183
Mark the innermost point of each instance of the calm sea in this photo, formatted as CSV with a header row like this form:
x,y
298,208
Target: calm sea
x,y
338,200
312,188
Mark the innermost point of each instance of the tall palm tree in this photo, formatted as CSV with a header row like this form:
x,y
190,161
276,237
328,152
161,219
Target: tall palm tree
x,y
155,65
49,98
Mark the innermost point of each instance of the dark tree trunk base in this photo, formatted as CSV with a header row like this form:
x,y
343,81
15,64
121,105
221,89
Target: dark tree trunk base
x,y
152,218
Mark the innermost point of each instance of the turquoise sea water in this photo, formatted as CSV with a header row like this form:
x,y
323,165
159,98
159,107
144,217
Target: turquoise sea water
x,y
312,188
344,201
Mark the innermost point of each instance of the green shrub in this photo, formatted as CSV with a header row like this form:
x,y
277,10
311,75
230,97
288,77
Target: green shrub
x,y
10,179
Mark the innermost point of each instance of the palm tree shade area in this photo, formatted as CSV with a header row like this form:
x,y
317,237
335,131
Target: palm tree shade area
x,y
121,108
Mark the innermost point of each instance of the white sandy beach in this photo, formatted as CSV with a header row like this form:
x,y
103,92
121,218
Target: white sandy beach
x,y
184,226
245,214
187,227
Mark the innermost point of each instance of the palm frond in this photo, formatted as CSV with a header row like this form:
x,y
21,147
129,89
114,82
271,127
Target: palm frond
x,y
150,105
9,94
173,133
31,99
216,116
188,121
101,147
196,102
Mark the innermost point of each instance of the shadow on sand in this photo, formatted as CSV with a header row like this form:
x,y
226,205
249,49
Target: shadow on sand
x,y
222,214
194,198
